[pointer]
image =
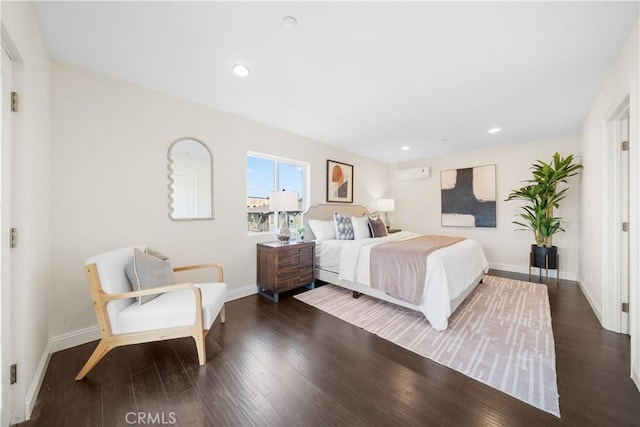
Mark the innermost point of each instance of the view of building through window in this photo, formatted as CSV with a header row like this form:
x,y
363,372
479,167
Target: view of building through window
x,y
266,174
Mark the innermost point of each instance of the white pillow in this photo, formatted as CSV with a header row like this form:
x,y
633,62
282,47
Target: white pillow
x,y
361,228
323,230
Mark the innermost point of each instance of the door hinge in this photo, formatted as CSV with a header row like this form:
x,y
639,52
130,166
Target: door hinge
x,y
625,145
14,102
13,238
625,307
625,226
13,374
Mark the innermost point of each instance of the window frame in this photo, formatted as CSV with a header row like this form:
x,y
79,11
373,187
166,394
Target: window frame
x,y
306,183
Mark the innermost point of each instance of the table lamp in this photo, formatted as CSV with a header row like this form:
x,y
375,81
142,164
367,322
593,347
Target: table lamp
x,y
386,206
283,202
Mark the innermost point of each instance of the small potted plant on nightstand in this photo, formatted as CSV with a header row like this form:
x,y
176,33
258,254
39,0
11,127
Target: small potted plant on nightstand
x,y
300,230
542,196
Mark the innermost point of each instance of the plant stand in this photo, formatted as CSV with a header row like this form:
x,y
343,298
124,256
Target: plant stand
x,y
547,267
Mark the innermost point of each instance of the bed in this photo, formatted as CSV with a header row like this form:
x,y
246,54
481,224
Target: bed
x,y
452,272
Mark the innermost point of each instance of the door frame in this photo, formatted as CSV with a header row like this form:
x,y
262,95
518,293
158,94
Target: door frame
x,y
624,180
611,302
612,219
6,340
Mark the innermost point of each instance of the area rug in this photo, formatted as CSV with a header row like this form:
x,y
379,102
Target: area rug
x,y
501,334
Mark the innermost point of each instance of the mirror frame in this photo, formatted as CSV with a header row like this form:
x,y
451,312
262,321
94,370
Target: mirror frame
x,y
170,173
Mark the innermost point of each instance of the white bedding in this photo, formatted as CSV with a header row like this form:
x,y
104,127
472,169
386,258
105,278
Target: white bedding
x,y
328,254
450,270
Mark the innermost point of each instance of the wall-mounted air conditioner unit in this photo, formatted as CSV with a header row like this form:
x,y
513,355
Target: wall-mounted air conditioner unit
x,y
413,173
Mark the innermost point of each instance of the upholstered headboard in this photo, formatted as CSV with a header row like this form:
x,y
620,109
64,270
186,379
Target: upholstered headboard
x,y
325,212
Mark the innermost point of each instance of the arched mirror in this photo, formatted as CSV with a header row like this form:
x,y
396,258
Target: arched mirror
x,y
190,180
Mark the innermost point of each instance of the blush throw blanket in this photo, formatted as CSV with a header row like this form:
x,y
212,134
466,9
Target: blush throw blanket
x,y
399,268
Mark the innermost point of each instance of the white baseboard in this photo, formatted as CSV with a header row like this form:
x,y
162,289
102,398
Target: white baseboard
x,y
635,374
564,275
241,292
74,338
34,388
594,307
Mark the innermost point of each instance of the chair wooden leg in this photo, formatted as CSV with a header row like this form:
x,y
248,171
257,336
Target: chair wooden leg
x,y
200,346
101,350
222,314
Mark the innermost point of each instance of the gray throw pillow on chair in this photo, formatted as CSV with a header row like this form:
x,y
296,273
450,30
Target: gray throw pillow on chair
x,y
149,270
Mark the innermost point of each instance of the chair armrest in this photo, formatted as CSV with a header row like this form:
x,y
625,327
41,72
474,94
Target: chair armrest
x,y
198,266
105,297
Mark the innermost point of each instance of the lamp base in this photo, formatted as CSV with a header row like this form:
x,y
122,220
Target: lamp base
x,y
284,240
284,233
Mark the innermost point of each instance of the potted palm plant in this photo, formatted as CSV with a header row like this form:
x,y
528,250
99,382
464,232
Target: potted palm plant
x,y
542,196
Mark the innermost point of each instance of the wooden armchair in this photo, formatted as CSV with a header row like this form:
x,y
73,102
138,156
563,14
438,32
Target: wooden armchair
x,y
180,310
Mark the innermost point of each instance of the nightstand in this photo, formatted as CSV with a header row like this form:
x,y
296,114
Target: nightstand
x,y
282,267
393,230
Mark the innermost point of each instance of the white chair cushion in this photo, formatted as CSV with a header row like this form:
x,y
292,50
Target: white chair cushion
x,y
111,266
172,309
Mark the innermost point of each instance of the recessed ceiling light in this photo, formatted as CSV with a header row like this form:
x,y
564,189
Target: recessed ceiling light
x,y
241,70
405,148
289,22
494,130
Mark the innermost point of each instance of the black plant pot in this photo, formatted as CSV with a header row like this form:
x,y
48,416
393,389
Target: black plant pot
x,y
539,255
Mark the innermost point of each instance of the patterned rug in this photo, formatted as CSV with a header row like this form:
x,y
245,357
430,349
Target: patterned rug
x,y
501,335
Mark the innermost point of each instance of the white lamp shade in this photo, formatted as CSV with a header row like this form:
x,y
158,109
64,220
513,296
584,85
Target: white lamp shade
x,y
284,201
386,205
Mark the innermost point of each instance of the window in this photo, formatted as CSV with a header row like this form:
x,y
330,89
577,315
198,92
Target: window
x,y
269,173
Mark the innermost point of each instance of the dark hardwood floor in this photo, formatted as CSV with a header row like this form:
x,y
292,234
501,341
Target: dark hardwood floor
x,y
288,364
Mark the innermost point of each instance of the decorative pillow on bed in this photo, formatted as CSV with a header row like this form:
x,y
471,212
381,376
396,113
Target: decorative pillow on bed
x,y
378,227
147,270
322,230
344,228
361,228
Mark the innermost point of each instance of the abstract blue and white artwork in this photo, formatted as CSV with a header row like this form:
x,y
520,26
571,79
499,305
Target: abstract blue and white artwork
x,y
469,197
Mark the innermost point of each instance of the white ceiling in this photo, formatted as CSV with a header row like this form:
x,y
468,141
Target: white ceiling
x,y
370,77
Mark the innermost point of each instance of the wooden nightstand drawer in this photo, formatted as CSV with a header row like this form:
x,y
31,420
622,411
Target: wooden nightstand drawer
x,y
306,276
289,259
288,283
307,255
282,267
286,273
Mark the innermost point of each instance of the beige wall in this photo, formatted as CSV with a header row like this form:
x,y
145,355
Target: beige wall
x,y
30,283
599,225
418,203
110,182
